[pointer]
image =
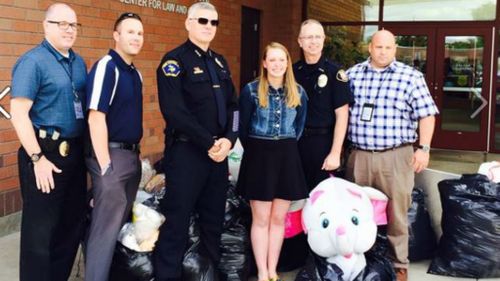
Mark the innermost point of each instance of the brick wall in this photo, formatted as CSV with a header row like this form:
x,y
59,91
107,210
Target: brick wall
x,y
21,29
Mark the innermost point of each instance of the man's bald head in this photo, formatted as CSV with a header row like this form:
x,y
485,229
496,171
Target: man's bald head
x,y
385,36
56,8
382,49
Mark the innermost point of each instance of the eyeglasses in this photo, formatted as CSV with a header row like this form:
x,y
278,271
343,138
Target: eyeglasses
x,y
311,37
125,16
204,21
64,25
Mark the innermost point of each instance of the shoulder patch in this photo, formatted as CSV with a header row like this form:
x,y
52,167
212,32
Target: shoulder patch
x,y
342,76
171,68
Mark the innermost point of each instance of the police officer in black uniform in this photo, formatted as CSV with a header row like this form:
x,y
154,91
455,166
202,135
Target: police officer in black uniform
x,y
199,103
327,109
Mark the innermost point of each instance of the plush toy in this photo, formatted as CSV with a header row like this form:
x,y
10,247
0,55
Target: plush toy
x,y
340,224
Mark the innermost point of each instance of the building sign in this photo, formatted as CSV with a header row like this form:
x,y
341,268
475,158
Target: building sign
x,y
158,5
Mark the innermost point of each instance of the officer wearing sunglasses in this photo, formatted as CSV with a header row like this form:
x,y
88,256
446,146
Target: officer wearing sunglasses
x,y
198,101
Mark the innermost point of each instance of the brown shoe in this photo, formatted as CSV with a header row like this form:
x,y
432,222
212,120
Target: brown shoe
x,y
401,274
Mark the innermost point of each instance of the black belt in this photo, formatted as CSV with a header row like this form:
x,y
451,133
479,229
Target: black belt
x,y
309,131
135,147
185,138
383,149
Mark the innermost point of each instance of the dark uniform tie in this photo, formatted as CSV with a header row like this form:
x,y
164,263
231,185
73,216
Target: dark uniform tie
x,y
219,96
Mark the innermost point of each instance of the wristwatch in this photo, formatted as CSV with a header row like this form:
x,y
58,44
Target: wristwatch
x,y
424,147
36,156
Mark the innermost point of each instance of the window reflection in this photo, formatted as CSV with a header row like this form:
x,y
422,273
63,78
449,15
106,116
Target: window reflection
x,y
343,10
412,50
348,45
443,10
462,83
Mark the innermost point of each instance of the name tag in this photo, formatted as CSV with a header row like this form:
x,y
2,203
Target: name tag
x,y
78,109
367,112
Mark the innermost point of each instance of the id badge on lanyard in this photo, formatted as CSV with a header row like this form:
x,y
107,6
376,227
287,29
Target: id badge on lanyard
x,y
367,112
77,104
78,108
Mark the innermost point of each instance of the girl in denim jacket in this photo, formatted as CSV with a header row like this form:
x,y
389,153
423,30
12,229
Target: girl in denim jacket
x,y
273,112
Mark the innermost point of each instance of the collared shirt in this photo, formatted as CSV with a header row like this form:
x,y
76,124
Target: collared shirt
x,y
326,90
46,77
400,98
186,95
115,88
277,120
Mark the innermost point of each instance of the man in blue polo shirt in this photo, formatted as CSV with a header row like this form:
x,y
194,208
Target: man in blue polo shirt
x,y
114,99
47,90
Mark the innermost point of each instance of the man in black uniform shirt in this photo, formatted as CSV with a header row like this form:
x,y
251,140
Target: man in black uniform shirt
x,y
199,103
327,108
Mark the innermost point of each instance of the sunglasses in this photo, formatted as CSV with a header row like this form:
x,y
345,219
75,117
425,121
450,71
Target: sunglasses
x,y
204,21
125,16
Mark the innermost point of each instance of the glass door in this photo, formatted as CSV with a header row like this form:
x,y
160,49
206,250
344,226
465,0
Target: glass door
x,y
461,88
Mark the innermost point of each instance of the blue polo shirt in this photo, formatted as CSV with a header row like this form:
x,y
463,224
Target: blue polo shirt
x,y
115,88
47,78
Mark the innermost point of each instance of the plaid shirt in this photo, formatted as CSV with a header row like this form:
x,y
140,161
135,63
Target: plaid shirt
x,y
400,97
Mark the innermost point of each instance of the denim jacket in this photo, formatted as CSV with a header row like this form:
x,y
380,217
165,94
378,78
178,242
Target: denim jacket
x,y
276,121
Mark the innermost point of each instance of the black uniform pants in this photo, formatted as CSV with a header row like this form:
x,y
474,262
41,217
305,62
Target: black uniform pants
x,y
51,226
313,150
195,183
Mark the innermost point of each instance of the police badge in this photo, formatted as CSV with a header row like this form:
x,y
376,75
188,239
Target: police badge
x,y
322,80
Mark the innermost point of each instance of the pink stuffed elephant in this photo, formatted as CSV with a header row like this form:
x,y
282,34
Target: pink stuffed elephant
x,y
340,219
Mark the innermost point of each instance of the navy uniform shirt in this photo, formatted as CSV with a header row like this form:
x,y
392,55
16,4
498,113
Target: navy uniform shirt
x,y
51,81
186,95
327,88
115,88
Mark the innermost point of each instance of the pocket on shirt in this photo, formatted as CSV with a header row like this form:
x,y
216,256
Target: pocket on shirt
x,y
198,78
403,108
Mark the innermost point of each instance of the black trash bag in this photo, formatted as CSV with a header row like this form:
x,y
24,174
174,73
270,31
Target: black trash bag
x,y
318,269
378,267
235,254
422,240
129,265
195,266
293,253
470,243
235,241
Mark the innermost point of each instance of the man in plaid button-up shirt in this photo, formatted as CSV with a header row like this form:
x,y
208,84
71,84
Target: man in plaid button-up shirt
x,y
391,101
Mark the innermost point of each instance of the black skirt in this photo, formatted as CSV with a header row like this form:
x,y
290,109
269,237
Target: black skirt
x,y
271,169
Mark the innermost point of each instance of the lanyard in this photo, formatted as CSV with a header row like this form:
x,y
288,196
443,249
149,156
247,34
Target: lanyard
x,y
68,71
384,77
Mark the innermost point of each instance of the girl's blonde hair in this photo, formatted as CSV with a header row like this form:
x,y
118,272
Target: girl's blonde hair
x,y
289,83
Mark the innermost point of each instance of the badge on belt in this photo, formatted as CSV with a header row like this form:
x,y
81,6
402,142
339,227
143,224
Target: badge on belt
x,y
64,148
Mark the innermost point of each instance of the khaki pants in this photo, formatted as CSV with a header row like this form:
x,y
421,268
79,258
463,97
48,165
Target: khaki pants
x,y
392,173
